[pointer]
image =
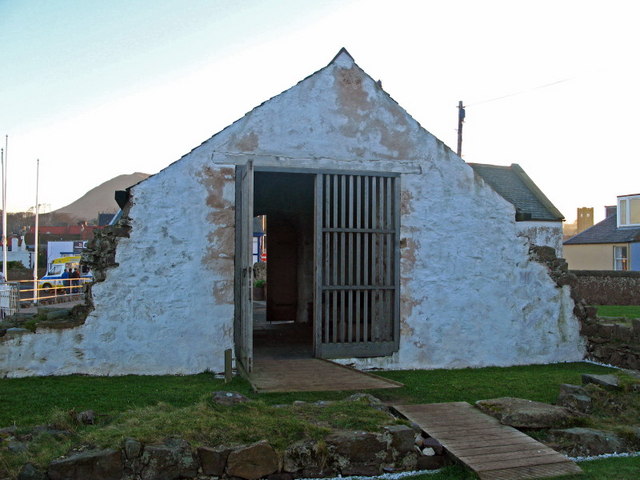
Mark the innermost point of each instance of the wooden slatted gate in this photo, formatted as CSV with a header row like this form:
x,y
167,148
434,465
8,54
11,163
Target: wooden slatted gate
x,y
243,274
356,299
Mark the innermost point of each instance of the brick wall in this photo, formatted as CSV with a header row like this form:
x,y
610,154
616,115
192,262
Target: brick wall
x,y
602,287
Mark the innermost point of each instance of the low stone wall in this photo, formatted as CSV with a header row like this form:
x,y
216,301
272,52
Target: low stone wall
x,y
614,343
603,287
340,453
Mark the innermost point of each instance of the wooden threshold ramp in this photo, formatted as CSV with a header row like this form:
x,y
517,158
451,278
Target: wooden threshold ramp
x,y
492,450
311,375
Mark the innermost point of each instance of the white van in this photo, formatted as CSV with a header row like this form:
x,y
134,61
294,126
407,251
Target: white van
x,y
53,278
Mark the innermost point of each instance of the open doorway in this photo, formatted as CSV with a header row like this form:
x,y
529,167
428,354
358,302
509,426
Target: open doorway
x,y
332,269
283,321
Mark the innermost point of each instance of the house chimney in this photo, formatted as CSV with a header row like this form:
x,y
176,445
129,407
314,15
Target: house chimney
x,y
610,210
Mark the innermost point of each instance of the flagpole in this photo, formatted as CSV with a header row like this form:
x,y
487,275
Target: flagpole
x,y
35,263
5,159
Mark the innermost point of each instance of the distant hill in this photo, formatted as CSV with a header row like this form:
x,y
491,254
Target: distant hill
x,y
101,198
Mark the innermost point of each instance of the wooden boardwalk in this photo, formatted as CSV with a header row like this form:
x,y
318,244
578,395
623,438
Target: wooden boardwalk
x,y
494,451
310,374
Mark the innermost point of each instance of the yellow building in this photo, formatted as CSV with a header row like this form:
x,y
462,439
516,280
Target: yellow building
x,y
612,244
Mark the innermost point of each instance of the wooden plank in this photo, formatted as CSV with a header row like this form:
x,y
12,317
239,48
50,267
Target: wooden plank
x,y
489,458
311,374
508,448
535,472
494,451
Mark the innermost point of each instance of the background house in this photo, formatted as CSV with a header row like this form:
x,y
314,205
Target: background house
x,y
612,244
537,218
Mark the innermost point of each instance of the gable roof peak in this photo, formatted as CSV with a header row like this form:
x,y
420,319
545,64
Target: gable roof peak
x,y
343,58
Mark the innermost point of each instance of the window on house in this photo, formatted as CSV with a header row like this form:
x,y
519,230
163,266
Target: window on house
x,y
620,260
629,210
634,211
622,212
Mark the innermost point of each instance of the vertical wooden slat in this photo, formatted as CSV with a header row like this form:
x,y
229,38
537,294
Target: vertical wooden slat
x,y
318,262
335,236
374,269
388,267
358,272
351,215
366,263
397,185
327,257
343,251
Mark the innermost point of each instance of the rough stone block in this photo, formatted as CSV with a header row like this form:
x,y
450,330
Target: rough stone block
x,y
253,461
170,461
357,447
622,332
606,330
303,455
95,465
132,448
213,460
401,438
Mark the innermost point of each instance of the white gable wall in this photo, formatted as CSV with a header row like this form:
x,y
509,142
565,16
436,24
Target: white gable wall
x,y
470,296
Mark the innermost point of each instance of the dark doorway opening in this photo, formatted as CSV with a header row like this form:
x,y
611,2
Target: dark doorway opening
x,y
283,323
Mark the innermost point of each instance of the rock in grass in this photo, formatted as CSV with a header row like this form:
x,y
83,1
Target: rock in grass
x,y
228,398
522,413
588,441
575,398
86,417
610,382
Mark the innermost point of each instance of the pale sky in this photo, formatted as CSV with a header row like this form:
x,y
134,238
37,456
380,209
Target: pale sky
x,y
96,88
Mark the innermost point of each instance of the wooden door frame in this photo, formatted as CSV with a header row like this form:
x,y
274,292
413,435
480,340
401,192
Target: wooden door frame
x,y
244,275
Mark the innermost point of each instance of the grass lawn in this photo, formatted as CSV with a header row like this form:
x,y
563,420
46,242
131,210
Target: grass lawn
x,y
627,311
150,407
29,401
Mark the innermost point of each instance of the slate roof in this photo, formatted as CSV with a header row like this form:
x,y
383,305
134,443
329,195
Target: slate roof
x,y
515,186
606,231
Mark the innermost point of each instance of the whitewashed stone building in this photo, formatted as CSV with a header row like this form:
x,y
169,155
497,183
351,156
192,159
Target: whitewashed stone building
x,y
389,249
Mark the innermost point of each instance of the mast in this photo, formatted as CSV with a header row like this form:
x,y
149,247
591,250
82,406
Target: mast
x,y
35,263
5,159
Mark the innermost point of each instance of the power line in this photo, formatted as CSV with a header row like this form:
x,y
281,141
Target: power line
x,y
520,92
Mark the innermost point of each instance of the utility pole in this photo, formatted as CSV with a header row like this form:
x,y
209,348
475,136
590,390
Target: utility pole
x,y
461,114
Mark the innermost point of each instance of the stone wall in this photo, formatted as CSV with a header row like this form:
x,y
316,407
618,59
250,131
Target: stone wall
x,y
599,287
614,343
